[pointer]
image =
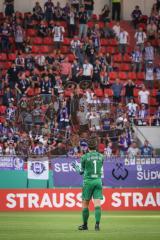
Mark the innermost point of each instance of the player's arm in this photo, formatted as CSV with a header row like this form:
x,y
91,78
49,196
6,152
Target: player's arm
x,y
77,167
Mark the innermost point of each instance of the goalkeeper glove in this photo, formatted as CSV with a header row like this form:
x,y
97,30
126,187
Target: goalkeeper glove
x,y
77,167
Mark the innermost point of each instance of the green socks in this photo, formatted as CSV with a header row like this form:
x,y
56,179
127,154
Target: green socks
x,y
85,215
98,214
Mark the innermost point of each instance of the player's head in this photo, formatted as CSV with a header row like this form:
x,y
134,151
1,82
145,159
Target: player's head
x,y
92,144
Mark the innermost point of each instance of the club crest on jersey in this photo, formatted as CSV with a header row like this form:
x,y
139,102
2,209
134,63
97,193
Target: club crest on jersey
x,y
38,167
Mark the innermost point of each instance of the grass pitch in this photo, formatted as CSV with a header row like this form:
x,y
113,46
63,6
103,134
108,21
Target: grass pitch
x,y
63,226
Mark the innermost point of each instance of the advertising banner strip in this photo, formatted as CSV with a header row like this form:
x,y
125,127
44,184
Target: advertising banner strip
x,y
118,172
70,200
11,163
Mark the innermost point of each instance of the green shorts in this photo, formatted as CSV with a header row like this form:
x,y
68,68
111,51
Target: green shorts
x,y
92,188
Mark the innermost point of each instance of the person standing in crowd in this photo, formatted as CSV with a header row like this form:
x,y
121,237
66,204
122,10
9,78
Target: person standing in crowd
x,y
136,15
146,149
89,7
140,37
149,75
9,8
143,96
75,4
117,90
116,10
83,19
91,169
72,18
58,32
49,10
137,58
19,35
123,41
5,33
129,90
37,12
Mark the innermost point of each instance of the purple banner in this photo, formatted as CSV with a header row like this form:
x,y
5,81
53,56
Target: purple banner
x,y
11,163
118,172
132,173
63,173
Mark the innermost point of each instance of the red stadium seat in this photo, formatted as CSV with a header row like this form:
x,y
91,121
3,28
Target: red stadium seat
x,y
2,109
104,42
101,24
124,67
141,75
132,75
64,49
48,41
135,92
7,65
113,75
11,56
98,92
122,75
44,49
3,56
117,58
71,57
127,58
111,50
64,24
113,42
109,92
90,24
94,17
103,50
154,93
67,41
35,49
153,101
37,41
31,32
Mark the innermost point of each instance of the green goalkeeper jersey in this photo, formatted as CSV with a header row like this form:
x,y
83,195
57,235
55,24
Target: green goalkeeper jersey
x,y
91,165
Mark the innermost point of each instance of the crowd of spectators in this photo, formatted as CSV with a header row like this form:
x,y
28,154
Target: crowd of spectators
x,y
51,102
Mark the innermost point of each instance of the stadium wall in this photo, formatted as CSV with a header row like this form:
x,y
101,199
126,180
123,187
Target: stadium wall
x,y
127,6
18,179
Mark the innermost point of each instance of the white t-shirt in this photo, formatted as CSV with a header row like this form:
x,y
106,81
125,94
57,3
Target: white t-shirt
x,y
144,96
140,37
132,152
87,69
58,33
123,37
116,30
149,74
132,108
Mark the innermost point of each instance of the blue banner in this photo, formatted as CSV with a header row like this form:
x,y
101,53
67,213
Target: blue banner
x,y
118,172
11,163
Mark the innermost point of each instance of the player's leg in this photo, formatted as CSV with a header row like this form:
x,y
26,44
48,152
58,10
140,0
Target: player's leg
x,y
86,196
85,215
97,207
97,195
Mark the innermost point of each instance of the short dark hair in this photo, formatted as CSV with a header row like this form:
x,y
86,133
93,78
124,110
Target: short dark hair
x,y
92,143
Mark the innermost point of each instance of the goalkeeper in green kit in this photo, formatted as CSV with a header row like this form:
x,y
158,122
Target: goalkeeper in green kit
x,y
91,168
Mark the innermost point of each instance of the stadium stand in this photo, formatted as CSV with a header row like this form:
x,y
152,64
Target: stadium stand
x,y
54,87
